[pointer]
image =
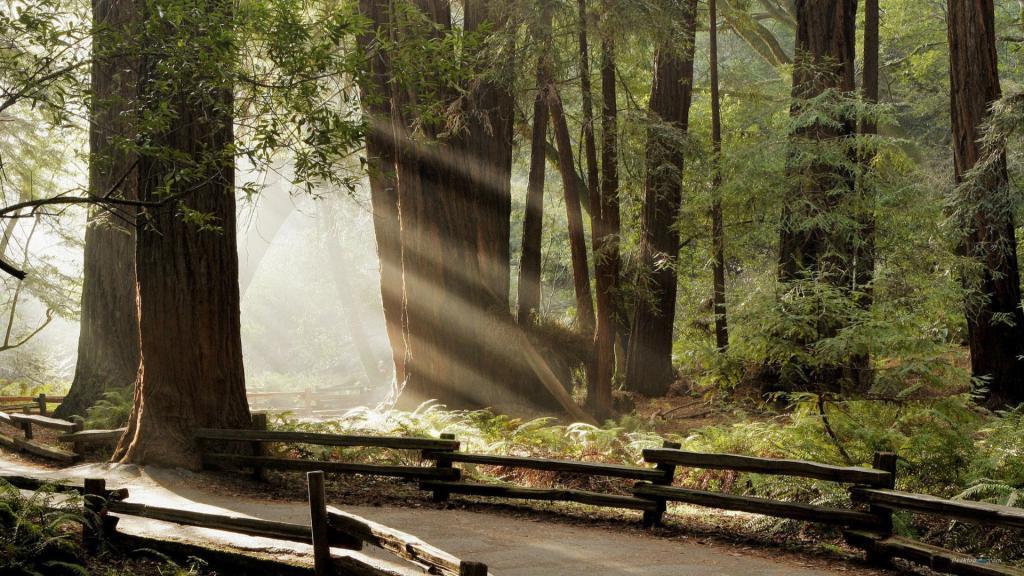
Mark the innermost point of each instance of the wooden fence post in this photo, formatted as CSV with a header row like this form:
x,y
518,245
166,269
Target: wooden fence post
x,y
94,497
259,422
653,518
467,568
26,426
885,461
318,524
41,400
440,495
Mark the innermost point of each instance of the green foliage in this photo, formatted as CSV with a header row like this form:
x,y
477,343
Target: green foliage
x,y
39,533
112,411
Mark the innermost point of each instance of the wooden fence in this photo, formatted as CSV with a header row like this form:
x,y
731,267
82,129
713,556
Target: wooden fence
x,y
867,524
27,442
29,404
327,529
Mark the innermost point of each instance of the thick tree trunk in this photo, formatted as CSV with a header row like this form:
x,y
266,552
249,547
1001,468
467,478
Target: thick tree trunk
x,y
488,155
189,327
649,365
376,98
108,346
823,188
454,211
717,225
825,47
996,343
574,214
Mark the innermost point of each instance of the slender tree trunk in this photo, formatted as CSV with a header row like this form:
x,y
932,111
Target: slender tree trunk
x,y
376,98
108,347
577,240
717,225
649,365
189,327
869,90
995,323
599,381
528,302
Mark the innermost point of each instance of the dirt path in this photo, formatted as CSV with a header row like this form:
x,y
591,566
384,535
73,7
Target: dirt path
x,y
509,546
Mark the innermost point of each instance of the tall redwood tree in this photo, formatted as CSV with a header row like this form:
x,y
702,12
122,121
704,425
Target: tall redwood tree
x,y
189,317
108,344
649,365
995,323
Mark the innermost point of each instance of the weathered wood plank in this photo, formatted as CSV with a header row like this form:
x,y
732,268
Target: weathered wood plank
x,y
934,557
231,523
975,512
8,442
45,451
416,472
5,418
46,422
7,399
543,494
401,544
240,564
93,436
592,468
399,443
780,467
29,483
792,510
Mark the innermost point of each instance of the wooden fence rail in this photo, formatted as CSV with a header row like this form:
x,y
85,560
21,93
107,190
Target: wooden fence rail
x,y
27,443
773,466
328,529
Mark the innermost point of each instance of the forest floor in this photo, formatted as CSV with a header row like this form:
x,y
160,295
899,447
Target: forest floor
x,y
512,540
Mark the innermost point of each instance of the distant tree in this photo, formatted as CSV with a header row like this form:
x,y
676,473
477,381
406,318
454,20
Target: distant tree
x,y
717,224
528,301
649,368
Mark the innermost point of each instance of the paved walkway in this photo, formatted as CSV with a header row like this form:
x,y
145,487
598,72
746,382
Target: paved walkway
x,y
509,546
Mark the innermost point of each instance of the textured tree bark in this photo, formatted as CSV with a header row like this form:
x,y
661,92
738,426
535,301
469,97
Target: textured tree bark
x,y
599,376
717,225
574,214
108,347
649,364
488,154
376,98
528,301
865,256
825,46
825,54
996,345
453,204
189,328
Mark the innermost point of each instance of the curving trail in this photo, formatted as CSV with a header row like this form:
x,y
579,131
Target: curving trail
x,y
509,546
